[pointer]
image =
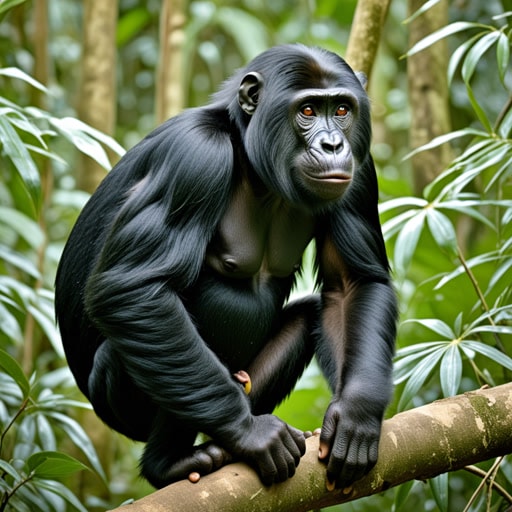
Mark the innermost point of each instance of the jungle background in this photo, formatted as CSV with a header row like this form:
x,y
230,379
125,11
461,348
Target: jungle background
x,y
80,81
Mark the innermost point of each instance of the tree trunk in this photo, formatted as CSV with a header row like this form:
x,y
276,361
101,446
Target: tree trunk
x,y
97,103
415,445
169,83
429,94
365,33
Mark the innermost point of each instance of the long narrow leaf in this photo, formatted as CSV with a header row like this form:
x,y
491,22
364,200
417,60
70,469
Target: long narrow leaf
x,y
13,369
407,241
437,326
418,378
442,230
21,75
503,55
450,371
449,30
490,352
476,52
20,157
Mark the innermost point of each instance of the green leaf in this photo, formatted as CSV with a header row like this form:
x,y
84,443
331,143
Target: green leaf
x,y
6,5
442,230
402,493
440,490
47,324
61,490
21,75
9,325
79,437
19,261
476,53
20,157
451,370
503,55
404,367
424,8
49,465
407,240
418,378
457,56
490,352
449,30
23,225
438,326
479,111
13,369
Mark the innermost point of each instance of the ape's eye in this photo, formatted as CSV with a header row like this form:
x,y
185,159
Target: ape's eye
x,y
342,110
307,111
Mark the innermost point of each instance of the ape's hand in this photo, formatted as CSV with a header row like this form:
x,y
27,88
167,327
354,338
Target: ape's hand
x,y
271,446
349,442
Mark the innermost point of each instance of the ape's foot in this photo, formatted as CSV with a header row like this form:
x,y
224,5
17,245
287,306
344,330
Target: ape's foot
x,y
203,460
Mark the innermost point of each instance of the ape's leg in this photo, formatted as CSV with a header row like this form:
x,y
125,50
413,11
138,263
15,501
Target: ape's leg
x,y
276,369
273,374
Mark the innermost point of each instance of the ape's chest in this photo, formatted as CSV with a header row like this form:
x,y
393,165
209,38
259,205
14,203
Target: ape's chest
x,y
256,236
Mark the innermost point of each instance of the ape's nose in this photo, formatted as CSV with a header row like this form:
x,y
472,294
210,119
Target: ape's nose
x,y
331,143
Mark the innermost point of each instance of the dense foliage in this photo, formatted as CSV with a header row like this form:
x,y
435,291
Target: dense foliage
x,y
451,248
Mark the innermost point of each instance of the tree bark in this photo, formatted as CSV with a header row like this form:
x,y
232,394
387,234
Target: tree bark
x,y
418,444
365,34
97,103
169,83
428,93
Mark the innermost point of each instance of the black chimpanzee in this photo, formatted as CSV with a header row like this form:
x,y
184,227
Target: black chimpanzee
x,y
170,293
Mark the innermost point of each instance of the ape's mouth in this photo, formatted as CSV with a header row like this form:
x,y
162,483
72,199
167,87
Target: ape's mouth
x,y
333,176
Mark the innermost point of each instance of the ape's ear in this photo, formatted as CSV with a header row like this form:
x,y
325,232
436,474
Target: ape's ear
x,y
363,79
249,91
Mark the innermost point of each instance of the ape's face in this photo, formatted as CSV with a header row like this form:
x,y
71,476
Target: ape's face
x,y
323,121
308,135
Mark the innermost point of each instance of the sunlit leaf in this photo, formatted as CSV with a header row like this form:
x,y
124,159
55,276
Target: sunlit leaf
x,y
407,240
490,352
442,230
49,327
476,53
457,56
418,378
450,370
503,55
404,367
479,111
437,326
19,74
19,261
446,31
24,226
396,223
425,7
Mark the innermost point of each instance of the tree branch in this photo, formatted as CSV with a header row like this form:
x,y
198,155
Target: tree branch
x,y
418,444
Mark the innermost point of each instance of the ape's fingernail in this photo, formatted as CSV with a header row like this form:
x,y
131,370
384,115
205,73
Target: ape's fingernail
x,y
330,485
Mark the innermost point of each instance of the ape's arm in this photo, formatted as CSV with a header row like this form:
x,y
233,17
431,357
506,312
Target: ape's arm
x,y
357,358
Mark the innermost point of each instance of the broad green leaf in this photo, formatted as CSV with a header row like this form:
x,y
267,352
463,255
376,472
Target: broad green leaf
x,y
446,31
51,465
440,490
442,230
490,352
13,369
20,157
450,371
476,53
418,378
407,240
